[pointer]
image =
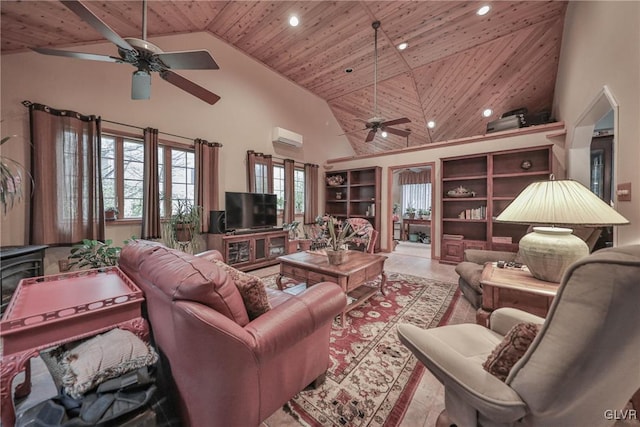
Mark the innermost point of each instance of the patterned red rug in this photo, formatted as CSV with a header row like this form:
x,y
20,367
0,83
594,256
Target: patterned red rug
x,y
372,376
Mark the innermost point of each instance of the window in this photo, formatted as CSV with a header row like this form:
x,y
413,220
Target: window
x,y
417,196
261,178
123,174
298,188
278,184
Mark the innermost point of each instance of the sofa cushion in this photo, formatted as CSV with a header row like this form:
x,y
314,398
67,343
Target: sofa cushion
x,y
184,277
103,357
251,289
511,349
470,272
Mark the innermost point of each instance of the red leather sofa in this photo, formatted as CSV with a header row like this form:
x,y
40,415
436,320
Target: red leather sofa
x,y
229,371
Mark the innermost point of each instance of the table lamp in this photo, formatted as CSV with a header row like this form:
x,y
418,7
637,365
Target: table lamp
x,y
549,250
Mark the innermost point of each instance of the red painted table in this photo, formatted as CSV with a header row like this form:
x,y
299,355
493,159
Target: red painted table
x,y
52,310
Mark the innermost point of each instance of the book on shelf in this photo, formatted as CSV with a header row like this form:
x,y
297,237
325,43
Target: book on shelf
x,y
477,213
501,239
452,236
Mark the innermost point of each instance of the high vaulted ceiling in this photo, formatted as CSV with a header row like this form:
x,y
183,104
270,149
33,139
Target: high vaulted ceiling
x,y
457,63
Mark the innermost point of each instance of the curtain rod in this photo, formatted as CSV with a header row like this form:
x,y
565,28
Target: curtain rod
x,y
27,103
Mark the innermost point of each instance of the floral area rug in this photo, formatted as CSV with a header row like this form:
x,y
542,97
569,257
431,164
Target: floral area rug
x,y
372,376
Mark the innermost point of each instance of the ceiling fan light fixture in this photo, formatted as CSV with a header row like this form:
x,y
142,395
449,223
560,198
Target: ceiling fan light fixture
x,y
294,21
487,112
403,46
483,10
431,124
141,85
384,134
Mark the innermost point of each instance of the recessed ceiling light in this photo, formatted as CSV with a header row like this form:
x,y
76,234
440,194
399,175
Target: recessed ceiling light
x,y
488,112
384,134
348,70
294,21
403,46
483,10
431,124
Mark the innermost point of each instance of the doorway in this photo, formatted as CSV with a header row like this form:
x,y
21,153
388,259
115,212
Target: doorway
x,y
412,205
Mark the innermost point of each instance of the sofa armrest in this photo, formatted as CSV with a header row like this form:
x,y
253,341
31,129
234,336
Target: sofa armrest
x,y
445,351
210,255
481,256
505,318
296,318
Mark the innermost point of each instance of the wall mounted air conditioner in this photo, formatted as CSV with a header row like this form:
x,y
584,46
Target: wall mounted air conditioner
x,y
287,137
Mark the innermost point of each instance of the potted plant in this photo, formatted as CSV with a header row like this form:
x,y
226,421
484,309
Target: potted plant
x,y
11,173
396,212
93,254
338,234
111,213
292,228
185,222
410,212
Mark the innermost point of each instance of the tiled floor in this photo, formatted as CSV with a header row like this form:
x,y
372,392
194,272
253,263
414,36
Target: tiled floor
x,y
428,401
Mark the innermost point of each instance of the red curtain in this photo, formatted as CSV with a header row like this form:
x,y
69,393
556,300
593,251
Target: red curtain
x,y
66,206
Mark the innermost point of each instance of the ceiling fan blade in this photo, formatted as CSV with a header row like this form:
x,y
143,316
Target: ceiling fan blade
x,y
370,135
396,122
79,55
97,24
141,85
397,131
352,131
189,86
189,60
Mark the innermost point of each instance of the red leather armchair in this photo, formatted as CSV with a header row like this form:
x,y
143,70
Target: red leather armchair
x,y
230,371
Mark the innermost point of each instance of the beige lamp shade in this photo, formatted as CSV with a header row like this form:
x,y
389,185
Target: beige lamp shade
x,y
549,251
562,202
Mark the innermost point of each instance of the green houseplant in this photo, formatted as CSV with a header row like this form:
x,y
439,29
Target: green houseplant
x,y
94,254
338,234
111,213
183,227
11,173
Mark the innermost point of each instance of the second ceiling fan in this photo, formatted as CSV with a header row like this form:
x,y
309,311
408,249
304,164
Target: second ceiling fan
x,y
377,123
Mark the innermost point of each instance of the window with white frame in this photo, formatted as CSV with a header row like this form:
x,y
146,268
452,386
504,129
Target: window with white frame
x,y
298,188
278,184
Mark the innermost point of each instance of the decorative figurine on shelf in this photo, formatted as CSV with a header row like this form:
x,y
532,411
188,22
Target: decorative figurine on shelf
x,y
335,180
461,192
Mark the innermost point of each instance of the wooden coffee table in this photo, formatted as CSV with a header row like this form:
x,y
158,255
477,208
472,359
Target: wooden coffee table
x,y
359,268
513,287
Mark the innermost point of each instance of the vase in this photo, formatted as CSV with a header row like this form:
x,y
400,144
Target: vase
x,y
336,257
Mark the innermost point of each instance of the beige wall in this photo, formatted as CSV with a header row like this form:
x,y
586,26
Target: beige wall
x,y
254,100
601,47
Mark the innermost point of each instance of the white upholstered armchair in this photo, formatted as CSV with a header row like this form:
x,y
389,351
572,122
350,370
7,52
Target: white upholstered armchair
x,y
584,361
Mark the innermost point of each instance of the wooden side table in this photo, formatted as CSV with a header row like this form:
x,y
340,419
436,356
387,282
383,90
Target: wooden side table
x,y
513,287
52,310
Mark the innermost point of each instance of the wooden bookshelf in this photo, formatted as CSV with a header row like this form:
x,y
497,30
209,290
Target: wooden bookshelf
x,y
494,179
358,196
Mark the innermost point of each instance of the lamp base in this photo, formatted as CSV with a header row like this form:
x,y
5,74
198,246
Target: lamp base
x,y
549,251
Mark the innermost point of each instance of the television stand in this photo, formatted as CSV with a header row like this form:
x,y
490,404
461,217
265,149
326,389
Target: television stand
x,y
255,230
250,249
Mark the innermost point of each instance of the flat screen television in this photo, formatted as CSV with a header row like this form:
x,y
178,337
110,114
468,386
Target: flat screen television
x,y
250,210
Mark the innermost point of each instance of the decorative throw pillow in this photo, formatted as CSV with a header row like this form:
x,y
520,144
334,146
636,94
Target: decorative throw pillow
x,y
103,357
511,349
251,288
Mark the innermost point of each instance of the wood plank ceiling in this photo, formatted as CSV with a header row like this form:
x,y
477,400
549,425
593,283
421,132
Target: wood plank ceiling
x,y
457,63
